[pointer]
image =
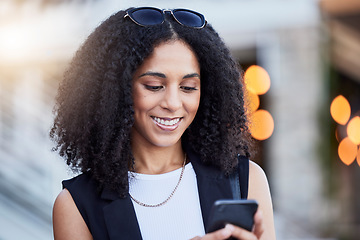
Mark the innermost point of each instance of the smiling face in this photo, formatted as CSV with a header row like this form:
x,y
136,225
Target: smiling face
x,y
166,95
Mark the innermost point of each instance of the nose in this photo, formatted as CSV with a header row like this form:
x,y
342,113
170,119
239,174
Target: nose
x,y
171,99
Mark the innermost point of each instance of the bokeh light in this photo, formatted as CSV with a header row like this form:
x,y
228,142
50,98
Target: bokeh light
x,y
358,156
340,110
262,124
257,80
347,151
353,130
252,101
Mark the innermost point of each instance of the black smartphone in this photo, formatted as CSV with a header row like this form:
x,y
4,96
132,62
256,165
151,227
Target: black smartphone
x,y
237,212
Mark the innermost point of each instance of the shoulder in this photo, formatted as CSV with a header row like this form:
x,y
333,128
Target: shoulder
x,y
257,175
67,220
82,189
260,191
70,208
81,180
258,183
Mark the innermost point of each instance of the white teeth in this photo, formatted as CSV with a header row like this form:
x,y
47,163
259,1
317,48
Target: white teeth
x,y
167,122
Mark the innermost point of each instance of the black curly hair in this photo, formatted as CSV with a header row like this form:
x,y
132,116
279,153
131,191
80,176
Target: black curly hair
x,y
94,109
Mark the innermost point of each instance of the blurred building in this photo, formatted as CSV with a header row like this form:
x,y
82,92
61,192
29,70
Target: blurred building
x,y
342,20
290,39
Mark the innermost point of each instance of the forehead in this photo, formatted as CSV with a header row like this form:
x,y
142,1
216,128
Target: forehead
x,y
172,56
176,48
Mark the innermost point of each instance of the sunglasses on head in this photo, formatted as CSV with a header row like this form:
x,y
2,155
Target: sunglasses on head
x,y
149,16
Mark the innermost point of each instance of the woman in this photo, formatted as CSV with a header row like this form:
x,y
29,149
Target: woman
x,y
151,112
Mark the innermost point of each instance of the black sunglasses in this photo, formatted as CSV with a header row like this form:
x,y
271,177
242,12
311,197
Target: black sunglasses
x,y
148,16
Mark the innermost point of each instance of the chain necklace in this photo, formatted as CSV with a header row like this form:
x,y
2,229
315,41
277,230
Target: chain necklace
x,y
169,197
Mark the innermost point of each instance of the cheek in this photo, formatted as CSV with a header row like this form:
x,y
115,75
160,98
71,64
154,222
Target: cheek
x,y
135,97
139,104
140,100
193,104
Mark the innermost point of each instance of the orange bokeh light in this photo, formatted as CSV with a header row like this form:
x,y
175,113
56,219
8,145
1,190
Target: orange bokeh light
x,y
353,130
340,110
252,101
262,124
347,151
257,80
358,156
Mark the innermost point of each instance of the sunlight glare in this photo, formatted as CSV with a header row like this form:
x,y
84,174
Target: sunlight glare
x,y
14,41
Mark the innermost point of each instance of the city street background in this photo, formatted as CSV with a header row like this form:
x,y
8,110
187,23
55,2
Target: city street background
x,y
308,51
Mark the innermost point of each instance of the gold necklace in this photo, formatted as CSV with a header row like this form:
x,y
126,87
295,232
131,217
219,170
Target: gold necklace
x,y
168,198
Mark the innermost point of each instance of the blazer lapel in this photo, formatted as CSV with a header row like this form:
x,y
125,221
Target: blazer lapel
x,y
212,185
120,217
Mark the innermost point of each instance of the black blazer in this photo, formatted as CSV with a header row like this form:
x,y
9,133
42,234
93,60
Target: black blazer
x,y
110,217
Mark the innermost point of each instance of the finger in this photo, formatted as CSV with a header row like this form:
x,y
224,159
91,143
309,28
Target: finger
x,y
221,234
258,224
241,233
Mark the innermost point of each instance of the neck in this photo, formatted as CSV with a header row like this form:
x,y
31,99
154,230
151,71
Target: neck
x,y
158,160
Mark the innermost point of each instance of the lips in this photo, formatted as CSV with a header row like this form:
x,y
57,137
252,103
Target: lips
x,y
167,124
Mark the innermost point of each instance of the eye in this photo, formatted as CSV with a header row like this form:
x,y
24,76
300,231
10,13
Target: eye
x,y
153,88
188,89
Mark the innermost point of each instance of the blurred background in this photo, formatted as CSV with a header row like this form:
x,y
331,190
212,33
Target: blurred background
x,y
301,60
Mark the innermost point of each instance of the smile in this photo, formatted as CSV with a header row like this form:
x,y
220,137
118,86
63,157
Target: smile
x,y
166,123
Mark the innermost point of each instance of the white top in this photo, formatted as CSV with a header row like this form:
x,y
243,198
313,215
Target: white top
x,y
179,218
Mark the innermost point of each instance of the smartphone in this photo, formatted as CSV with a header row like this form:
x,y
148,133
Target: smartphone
x,y
237,212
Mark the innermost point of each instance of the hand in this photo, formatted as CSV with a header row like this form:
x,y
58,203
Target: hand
x,y
239,233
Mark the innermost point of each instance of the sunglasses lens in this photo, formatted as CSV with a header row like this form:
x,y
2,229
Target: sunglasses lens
x,y
147,16
189,18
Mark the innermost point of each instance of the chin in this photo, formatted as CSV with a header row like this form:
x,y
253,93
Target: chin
x,y
166,142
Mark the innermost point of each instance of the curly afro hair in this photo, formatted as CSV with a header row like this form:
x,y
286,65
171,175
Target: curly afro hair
x,y
94,109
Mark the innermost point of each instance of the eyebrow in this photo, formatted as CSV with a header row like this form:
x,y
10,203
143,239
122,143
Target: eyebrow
x,y
192,75
161,75
155,74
